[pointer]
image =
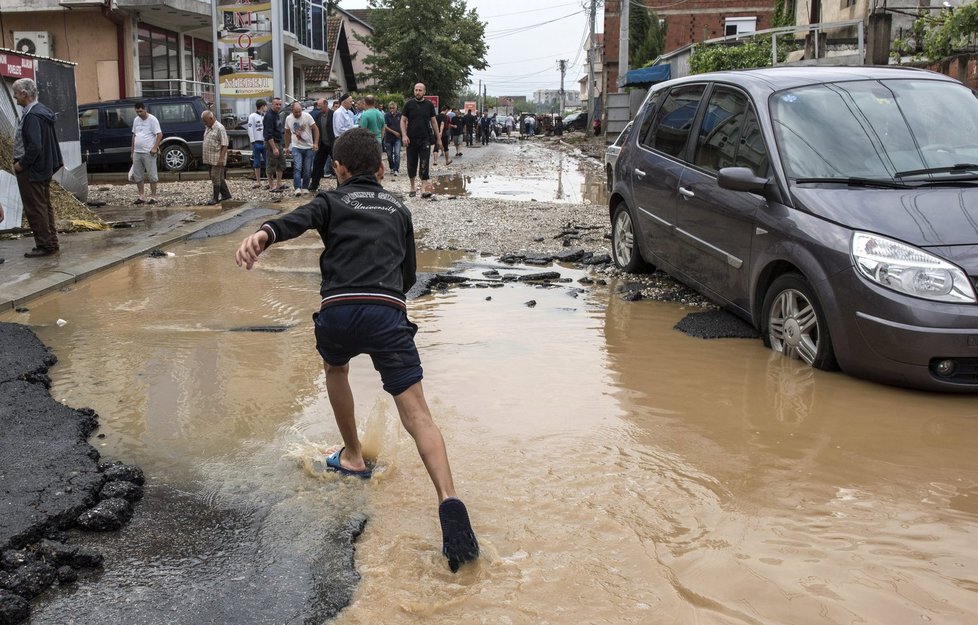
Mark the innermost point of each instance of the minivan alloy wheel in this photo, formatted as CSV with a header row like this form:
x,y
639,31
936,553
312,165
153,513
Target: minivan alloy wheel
x,y
795,324
624,244
175,158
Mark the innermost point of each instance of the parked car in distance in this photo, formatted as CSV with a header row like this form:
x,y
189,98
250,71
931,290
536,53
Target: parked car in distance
x,y
576,121
835,209
611,154
106,130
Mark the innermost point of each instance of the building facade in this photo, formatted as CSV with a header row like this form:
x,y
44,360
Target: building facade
x,y
144,48
572,97
688,22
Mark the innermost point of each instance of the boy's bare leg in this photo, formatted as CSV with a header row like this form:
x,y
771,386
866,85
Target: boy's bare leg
x,y
344,411
416,417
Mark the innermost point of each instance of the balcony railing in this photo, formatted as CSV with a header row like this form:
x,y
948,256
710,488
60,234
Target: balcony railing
x,y
153,88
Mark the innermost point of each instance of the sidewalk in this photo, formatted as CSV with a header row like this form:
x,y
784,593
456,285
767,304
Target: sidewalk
x,y
86,253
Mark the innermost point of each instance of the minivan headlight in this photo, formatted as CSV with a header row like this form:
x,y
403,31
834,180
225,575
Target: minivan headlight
x,y
910,270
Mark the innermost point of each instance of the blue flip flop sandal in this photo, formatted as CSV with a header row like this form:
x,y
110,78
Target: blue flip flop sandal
x,y
333,464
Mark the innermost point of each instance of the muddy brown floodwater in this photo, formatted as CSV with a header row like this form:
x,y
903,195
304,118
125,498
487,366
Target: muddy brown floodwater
x,y
616,470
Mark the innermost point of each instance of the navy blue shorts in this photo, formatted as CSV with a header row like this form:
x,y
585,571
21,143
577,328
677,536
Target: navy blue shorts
x,y
383,332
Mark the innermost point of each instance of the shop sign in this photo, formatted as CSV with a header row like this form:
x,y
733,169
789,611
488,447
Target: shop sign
x,y
16,66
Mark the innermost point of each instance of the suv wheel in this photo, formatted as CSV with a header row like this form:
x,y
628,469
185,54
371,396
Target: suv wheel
x,y
624,244
794,323
175,157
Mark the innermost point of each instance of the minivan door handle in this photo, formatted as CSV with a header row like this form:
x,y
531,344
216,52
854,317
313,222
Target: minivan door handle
x,y
683,191
639,173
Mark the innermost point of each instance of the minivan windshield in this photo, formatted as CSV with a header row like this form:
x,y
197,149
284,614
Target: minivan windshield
x,y
876,129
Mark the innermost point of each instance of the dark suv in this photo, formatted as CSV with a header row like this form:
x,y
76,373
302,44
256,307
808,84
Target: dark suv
x,y
833,208
106,130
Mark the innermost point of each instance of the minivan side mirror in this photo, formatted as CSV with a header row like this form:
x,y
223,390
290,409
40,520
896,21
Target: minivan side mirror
x,y
743,179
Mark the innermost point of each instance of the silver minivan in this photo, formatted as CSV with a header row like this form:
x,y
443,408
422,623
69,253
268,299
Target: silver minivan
x,y
834,208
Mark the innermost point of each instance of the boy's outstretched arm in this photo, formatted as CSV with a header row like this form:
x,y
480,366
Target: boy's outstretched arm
x,y
250,249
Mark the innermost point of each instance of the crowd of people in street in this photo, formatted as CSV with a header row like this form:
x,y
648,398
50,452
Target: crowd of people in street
x,y
305,136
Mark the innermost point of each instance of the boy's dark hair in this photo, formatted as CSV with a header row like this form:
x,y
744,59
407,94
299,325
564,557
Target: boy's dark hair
x,y
259,104
139,105
357,149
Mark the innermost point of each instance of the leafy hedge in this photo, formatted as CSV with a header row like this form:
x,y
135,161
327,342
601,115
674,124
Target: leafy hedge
x,y
951,31
752,53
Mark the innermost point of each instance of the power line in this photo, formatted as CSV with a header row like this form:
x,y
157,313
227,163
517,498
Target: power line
x,y
556,6
536,58
521,29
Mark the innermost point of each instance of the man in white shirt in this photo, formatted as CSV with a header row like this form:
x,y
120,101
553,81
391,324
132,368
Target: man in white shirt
x,y
302,140
343,117
146,137
256,136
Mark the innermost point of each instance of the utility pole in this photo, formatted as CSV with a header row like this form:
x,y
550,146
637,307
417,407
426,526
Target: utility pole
x,y
477,94
563,70
592,79
623,42
485,89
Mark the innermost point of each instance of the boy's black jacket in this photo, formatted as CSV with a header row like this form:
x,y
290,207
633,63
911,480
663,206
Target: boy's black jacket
x,y
369,238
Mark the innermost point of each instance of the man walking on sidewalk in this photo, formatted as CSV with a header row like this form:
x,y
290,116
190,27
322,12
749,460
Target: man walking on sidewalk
x,y
37,156
146,137
215,154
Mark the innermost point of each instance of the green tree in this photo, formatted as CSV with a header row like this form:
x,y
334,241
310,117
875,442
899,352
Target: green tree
x,y
646,36
436,42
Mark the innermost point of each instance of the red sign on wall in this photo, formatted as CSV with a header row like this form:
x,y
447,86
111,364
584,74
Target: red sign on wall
x,y
16,66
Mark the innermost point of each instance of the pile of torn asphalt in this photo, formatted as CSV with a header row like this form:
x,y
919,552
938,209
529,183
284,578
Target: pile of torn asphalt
x,y
51,479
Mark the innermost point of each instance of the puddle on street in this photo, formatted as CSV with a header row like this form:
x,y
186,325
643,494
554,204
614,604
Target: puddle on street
x,y
536,174
616,470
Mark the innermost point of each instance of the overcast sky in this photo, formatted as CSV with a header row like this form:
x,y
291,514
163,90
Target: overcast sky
x,y
526,39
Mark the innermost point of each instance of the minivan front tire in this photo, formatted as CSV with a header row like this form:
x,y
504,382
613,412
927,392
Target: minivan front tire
x,y
624,242
175,157
794,324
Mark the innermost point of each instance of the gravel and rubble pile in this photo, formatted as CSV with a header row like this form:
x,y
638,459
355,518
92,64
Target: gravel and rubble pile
x,y
71,214
487,226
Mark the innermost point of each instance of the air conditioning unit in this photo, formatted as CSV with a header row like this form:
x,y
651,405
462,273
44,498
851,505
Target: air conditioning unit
x,y
36,42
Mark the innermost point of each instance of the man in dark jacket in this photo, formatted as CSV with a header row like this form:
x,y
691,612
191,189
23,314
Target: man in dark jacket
x,y
273,131
37,156
325,122
367,266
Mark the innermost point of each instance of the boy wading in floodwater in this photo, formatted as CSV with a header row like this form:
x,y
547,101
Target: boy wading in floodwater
x,y
367,267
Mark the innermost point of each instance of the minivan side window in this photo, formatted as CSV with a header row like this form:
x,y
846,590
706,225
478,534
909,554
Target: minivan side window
x,y
729,135
751,152
119,116
88,120
672,123
178,112
650,107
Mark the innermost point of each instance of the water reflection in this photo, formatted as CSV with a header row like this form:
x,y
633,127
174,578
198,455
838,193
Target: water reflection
x,y
541,176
